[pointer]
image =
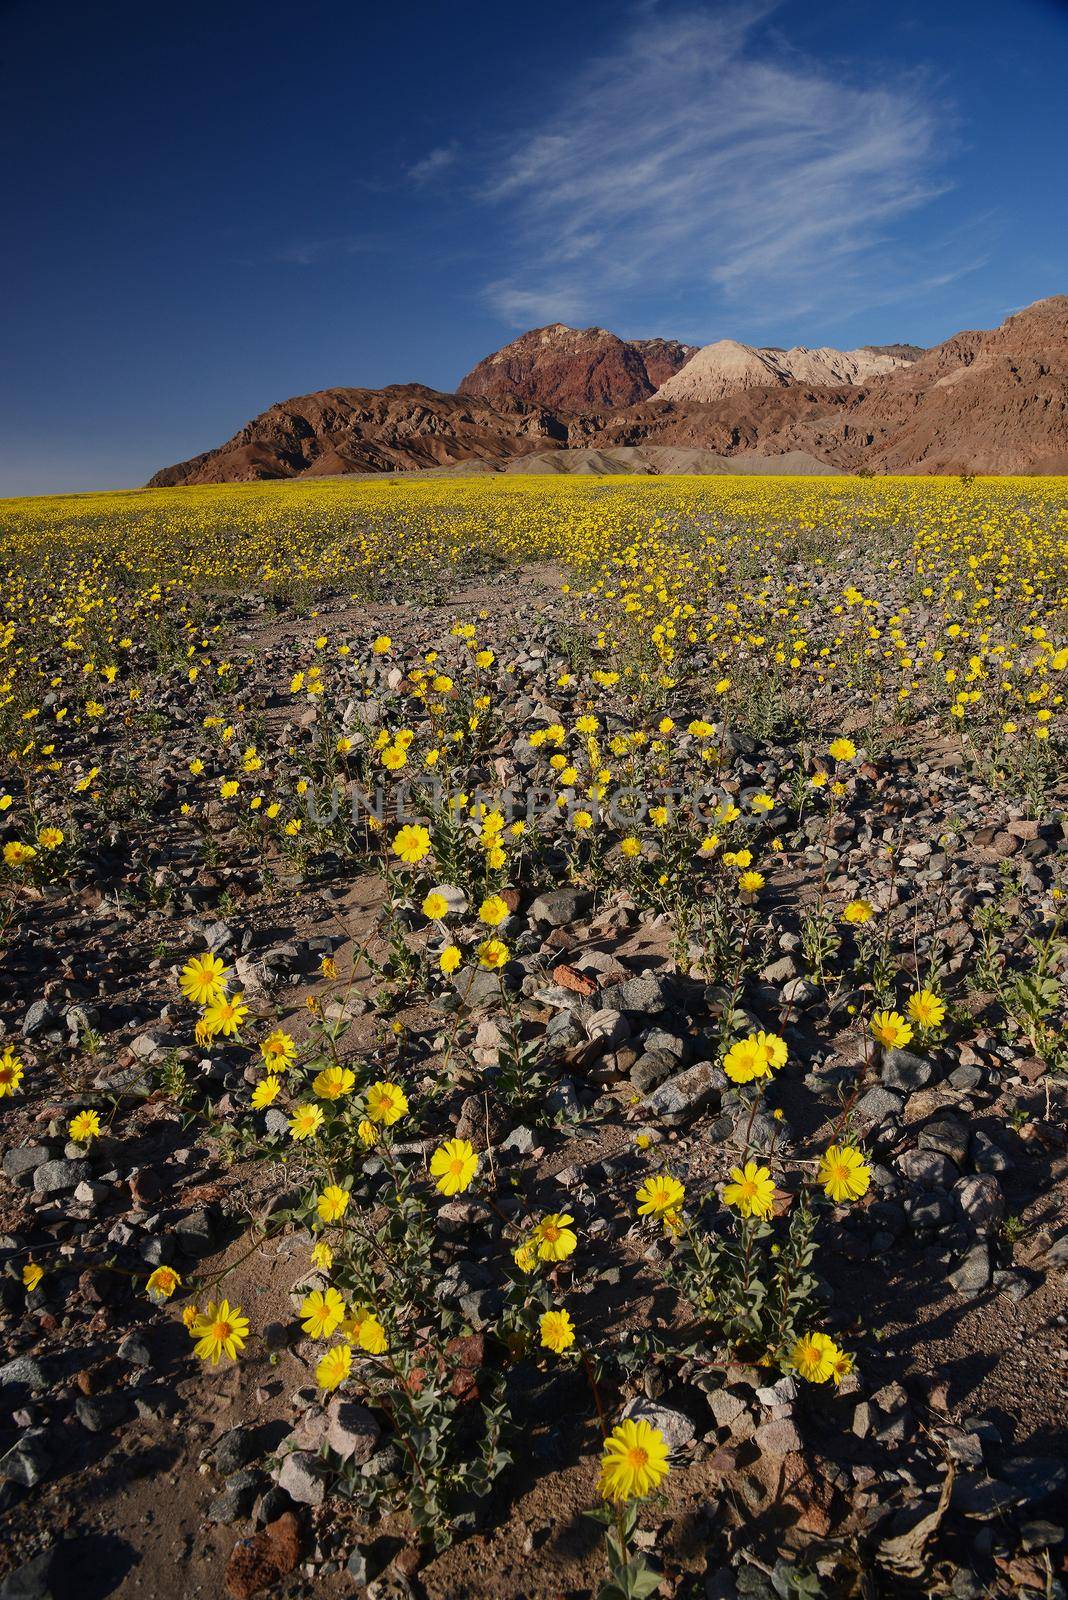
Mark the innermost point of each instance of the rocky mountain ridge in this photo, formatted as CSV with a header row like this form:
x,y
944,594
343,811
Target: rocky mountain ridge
x,y
983,401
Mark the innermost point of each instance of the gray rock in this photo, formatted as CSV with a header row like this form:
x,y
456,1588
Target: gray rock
x,y
26,1372
39,1017
988,1156
562,1099
799,993
783,1392
559,907
726,1408
475,988
878,1105
356,1566
981,1201
663,1040
134,1350
928,1169
104,1412
57,1177
675,1426
236,1499
641,995
949,1135
303,1476
22,1161
195,1233
1040,1535
759,1132
233,1450
1057,1253
904,1071
973,1274
30,1459
652,1068
688,1092
35,1580
612,1026
1012,1284
520,1140
352,1431
1036,1477
778,1438
929,1211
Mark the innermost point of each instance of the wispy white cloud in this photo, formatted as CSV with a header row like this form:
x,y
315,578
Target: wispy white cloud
x,y
527,308
434,164
695,160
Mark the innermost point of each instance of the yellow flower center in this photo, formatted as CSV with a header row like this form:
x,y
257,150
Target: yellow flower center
x,y
637,1458
221,1331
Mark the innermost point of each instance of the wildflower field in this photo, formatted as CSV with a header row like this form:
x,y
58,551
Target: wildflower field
x,y
533,1052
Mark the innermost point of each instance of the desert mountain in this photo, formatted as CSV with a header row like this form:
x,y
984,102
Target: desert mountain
x,y
576,368
984,401
981,402
369,430
727,367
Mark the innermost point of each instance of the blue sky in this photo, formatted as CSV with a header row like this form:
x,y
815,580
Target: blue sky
x,y
212,207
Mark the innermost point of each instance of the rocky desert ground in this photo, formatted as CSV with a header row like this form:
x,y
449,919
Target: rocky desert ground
x,y
533,1055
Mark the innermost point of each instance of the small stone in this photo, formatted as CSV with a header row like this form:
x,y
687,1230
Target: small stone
x,y
652,1068
687,1093
948,1135
237,1498
26,1372
1056,1254
799,993
560,907
726,1408
973,1273
233,1450
22,1161
356,1566
676,1428
904,1071
39,1017
35,1580
303,1477
134,1349
981,1201
638,995
878,1105
352,1433
612,1026
57,1177
778,1438
29,1460
927,1169
520,1141
103,1413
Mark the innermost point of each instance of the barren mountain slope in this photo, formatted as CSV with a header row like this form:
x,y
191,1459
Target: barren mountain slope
x,y
727,366
369,430
576,368
993,401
